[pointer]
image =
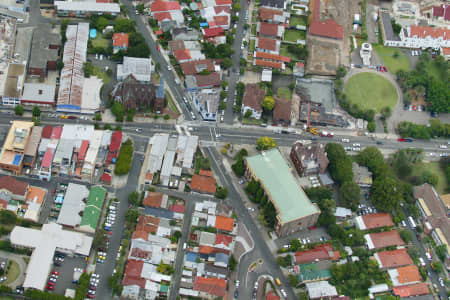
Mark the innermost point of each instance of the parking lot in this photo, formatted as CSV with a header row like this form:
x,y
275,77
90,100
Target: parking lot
x,y
66,270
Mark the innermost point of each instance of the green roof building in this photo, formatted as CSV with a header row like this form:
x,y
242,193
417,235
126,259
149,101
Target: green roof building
x,y
294,209
93,210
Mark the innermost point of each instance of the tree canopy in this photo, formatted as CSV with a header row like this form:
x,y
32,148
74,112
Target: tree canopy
x,y
265,143
268,103
349,194
124,25
340,165
386,193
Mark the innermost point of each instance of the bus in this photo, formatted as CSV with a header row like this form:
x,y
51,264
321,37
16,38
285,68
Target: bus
x,y
411,222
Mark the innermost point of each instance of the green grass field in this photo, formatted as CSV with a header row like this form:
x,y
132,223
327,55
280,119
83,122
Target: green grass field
x,y
100,41
251,45
292,35
13,272
393,64
172,105
284,51
370,91
297,20
284,93
434,168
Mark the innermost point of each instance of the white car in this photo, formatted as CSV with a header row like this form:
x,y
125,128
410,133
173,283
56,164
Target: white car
x,y
443,146
356,145
441,282
169,68
283,292
345,140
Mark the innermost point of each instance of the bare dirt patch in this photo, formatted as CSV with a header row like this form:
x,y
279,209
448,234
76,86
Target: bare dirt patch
x,y
324,56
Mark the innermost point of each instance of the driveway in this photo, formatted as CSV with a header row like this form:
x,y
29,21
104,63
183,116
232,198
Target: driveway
x,y
22,267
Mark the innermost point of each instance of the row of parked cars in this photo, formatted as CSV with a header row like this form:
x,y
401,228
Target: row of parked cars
x,y
93,283
52,280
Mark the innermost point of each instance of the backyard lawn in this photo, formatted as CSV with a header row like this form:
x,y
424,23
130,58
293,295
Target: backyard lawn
x,y
284,93
284,52
434,168
293,35
393,64
13,272
100,41
370,91
251,46
253,29
297,20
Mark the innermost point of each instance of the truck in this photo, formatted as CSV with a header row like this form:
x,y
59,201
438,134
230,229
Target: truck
x,y
76,275
313,130
327,134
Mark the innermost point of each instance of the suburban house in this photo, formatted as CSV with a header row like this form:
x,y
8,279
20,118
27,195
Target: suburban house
x,y
203,184
268,45
383,239
253,96
282,112
309,159
270,30
197,66
405,275
294,210
167,10
120,42
393,258
272,15
373,221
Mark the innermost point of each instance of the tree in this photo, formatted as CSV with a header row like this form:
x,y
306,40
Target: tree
x,y
36,112
371,126
349,194
130,115
100,239
386,112
268,103
401,164
221,192
414,252
340,165
118,111
233,263
19,110
406,235
7,217
238,167
224,84
441,252
293,280
386,193
437,266
98,116
131,216
372,158
133,198
265,143
123,163
227,63
140,8
124,25
177,235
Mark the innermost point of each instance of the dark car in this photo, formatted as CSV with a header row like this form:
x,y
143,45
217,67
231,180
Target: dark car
x,y
236,294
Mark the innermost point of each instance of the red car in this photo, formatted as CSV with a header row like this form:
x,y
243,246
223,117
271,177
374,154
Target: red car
x,y
51,283
55,273
414,107
384,69
50,287
401,140
90,296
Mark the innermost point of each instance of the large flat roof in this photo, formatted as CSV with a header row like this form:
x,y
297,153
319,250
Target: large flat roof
x,y
72,205
88,6
289,198
94,206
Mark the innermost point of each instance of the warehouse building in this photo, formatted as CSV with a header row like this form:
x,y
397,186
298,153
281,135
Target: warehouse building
x,y
294,209
44,243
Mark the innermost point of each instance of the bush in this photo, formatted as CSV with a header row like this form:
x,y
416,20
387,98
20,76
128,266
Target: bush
x,y
19,110
124,159
221,192
284,261
371,126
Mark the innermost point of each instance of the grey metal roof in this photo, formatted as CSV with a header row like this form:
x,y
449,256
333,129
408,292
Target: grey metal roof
x,y
64,150
73,204
157,212
39,92
40,51
273,3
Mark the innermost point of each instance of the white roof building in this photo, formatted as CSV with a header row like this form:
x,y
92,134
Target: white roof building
x,y
87,7
45,242
320,289
38,93
140,68
91,154
73,204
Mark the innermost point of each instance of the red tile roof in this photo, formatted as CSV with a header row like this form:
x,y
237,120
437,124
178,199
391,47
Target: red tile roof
x,y
3,203
320,252
221,20
393,258
408,274
213,286
265,55
149,224
212,32
412,290
47,159
183,54
203,184
206,173
377,220
133,281
153,199
196,66
159,6
139,235
47,132
224,8
106,178
205,249
83,149
327,28
423,32
269,64
268,29
178,208
116,140
386,239
56,132
13,185
442,11
161,16
282,109
223,239
266,14
120,39
212,79
224,223
445,51
253,96
272,296
134,268
267,44
224,2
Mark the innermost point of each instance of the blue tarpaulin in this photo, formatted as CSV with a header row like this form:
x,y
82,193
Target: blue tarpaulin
x,y
203,24
17,159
